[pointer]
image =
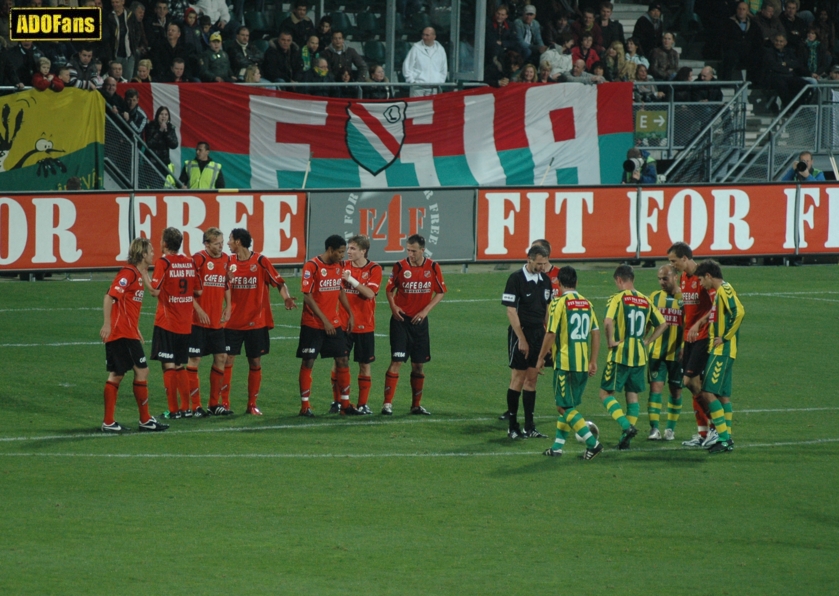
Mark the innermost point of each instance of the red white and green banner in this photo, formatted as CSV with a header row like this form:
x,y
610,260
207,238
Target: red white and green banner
x,y
520,135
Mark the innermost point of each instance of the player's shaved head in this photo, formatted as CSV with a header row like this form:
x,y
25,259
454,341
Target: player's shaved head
x,y
172,239
668,270
138,250
624,273
568,277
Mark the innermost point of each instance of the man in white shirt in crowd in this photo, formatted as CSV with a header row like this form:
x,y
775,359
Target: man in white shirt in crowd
x,y
426,63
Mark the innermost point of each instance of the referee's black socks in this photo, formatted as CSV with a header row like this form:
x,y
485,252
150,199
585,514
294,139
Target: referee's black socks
x,y
513,405
528,399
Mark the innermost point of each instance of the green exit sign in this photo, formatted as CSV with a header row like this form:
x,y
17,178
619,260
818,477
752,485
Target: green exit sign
x,y
651,121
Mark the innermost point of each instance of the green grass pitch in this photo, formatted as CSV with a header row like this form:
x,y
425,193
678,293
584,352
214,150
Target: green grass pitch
x,y
416,505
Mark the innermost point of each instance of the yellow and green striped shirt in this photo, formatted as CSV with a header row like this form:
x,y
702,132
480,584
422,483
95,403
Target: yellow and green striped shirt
x,y
631,311
668,344
726,316
571,317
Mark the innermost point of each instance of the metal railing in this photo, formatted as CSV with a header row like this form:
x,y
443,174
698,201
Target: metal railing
x,y
130,161
397,89
810,122
720,141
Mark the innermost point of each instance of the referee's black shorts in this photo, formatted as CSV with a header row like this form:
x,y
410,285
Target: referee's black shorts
x,y
516,359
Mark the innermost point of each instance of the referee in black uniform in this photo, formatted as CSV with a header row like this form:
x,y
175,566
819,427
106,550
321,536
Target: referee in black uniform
x,y
527,296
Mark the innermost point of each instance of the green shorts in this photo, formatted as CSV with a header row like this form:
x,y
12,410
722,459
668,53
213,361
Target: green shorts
x,y
718,375
665,370
569,387
620,377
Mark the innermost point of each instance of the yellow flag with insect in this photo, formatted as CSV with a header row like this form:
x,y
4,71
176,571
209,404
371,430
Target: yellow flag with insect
x,y
48,137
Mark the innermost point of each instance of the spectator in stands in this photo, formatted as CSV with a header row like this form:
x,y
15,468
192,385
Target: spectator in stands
x,y
610,31
556,29
192,30
588,25
635,53
205,24
166,50
795,27
803,170
176,72
158,25
529,34
545,76
707,92
683,93
144,68
426,63
615,65
769,23
24,59
299,24
283,63
341,57
82,71
202,173
499,74
664,60
64,75
833,76
114,104
813,55
177,10
5,8
741,41
242,53
347,90
215,63
120,37
782,71
324,32
500,37
639,167
527,74
559,56
160,135
319,74
645,92
43,79
649,27
310,52
135,117
253,74
115,71
826,29
98,80
138,14
383,91
219,15
585,51
578,74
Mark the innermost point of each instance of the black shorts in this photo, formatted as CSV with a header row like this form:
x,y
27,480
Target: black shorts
x,y
695,357
169,347
409,340
205,341
534,336
257,342
122,355
315,341
363,347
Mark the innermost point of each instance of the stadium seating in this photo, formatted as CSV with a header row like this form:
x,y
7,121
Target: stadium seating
x,y
374,51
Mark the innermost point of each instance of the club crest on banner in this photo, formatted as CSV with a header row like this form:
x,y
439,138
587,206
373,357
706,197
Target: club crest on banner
x,y
375,133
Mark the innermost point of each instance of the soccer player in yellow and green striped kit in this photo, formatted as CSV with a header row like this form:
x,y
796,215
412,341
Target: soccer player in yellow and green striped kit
x,y
627,315
724,330
571,320
665,357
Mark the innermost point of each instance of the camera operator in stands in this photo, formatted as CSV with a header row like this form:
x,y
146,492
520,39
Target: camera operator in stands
x,y
803,170
639,168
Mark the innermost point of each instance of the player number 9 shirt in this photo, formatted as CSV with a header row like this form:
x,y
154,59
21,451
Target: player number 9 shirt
x,y
177,280
415,285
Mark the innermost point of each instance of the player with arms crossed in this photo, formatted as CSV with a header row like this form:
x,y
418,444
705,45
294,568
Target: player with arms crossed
x,y
122,337
627,315
696,305
526,297
321,331
571,321
251,275
175,284
415,287
208,338
362,280
724,330
665,355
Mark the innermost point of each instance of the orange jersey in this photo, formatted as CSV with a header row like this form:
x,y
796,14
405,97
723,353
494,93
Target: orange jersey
x,y
363,309
414,285
696,303
213,275
250,282
176,278
324,284
553,275
127,293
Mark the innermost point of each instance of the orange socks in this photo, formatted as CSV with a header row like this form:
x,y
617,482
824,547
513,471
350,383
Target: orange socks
x,y
701,418
194,387
170,381
336,390
141,394
305,380
216,383
417,381
343,379
183,388
254,381
363,390
111,390
391,381
225,387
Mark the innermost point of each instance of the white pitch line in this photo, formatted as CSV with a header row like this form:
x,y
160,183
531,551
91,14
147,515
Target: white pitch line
x,y
390,455
346,424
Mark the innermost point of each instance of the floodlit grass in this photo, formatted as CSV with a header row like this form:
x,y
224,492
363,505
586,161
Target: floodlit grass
x,y
415,505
